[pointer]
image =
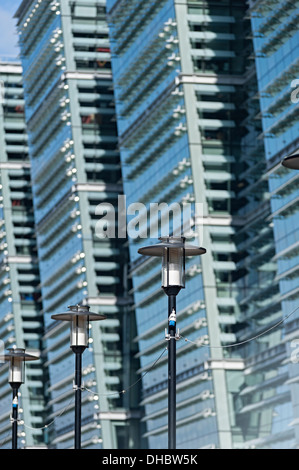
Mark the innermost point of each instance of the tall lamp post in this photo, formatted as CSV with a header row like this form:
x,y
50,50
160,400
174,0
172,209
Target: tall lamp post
x,y
16,358
173,252
79,317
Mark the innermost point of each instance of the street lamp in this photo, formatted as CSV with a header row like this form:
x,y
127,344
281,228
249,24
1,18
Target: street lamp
x,y
173,252
79,317
291,161
16,358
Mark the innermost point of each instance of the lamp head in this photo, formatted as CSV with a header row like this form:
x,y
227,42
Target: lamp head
x,y
17,358
173,252
79,316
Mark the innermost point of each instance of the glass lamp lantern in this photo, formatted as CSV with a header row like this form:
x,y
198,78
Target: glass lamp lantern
x,y
79,329
173,264
17,369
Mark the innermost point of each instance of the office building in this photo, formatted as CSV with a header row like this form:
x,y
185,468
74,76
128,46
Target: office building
x,y
188,116
275,38
206,102
21,322
75,170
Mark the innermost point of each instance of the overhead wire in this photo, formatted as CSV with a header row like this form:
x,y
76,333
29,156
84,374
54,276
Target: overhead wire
x,y
94,393
154,364
134,383
240,343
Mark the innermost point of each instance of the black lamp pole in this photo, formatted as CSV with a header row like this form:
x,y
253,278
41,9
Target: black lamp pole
x,y
172,337
78,350
14,415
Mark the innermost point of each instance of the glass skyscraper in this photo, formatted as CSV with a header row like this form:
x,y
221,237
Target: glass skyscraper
x,y
190,131
275,37
180,103
75,172
21,322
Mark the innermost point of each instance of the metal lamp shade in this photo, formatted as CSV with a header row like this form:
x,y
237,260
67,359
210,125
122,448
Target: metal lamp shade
x,y
17,358
79,316
291,161
173,251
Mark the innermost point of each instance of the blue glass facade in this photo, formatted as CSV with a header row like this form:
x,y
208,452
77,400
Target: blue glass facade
x,y
276,55
206,106
21,323
174,120
190,131
75,167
